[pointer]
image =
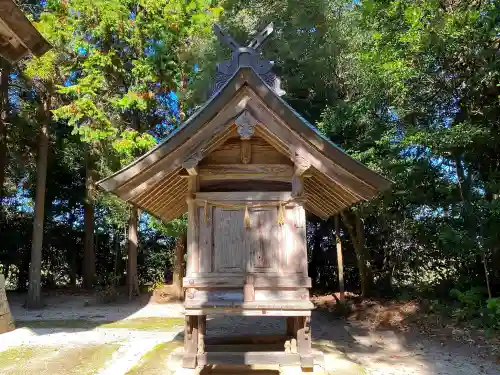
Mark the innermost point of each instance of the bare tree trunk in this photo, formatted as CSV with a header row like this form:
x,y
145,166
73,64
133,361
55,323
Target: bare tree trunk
x,y
340,261
362,257
34,288
88,218
485,264
4,112
132,280
179,250
6,269
464,195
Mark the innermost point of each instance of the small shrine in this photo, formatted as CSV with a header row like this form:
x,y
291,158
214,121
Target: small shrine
x,y
246,167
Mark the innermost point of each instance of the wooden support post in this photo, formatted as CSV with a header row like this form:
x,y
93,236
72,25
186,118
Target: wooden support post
x,y
290,326
246,151
190,342
340,261
202,331
301,166
249,289
193,256
304,343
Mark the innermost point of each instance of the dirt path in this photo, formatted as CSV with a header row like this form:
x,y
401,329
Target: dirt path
x,y
379,352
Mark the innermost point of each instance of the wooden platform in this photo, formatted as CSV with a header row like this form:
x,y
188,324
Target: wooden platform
x,y
254,358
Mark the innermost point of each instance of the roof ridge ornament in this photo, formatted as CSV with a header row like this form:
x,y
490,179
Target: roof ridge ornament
x,y
249,57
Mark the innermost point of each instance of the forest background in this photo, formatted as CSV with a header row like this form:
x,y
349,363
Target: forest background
x,y
408,87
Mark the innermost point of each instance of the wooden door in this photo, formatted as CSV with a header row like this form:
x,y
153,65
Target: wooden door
x,y
230,241
226,246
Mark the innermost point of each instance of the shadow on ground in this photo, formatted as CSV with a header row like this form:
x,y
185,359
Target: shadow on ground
x,y
70,313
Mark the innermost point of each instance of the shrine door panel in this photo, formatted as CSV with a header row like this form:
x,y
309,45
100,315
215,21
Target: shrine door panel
x,y
226,245
230,240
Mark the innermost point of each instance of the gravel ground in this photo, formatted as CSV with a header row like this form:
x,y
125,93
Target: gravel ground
x,y
380,352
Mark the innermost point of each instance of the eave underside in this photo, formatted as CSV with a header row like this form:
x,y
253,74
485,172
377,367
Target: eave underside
x,y
18,36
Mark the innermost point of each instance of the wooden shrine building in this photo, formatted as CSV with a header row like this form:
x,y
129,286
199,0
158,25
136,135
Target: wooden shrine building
x,y
18,37
246,167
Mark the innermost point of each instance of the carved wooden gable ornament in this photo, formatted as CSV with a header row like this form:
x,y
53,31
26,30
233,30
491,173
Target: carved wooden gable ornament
x,y
245,136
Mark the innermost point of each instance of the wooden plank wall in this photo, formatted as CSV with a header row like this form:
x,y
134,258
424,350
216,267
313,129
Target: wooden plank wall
x,y
261,153
227,246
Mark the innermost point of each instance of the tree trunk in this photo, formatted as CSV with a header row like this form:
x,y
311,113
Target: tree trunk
x,y
88,218
132,280
362,257
6,269
4,112
340,261
34,288
179,250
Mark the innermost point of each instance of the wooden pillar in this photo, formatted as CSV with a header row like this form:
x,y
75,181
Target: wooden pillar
x,y
190,342
179,249
132,279
290,326
304,342
202,331
340,261
193,260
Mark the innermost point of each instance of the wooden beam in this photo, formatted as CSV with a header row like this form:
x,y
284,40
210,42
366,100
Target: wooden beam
x,y
248,358
191,163
245,196
299,158
273,172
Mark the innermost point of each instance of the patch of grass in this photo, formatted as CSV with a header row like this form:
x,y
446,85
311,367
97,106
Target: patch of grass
x,y
155,361
44,360
83,361
60,323
151,324
148,324
19,356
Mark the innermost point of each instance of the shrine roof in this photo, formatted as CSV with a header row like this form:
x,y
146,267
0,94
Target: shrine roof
x,y
335,181
18,37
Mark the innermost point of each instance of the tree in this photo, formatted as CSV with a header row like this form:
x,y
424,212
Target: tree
x,y
4,113
42,72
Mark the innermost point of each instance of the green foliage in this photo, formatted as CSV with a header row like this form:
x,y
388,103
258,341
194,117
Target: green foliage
x,y
475,308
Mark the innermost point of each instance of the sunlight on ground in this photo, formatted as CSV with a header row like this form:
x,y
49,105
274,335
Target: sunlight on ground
x,y
81,360
155,361
153,324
